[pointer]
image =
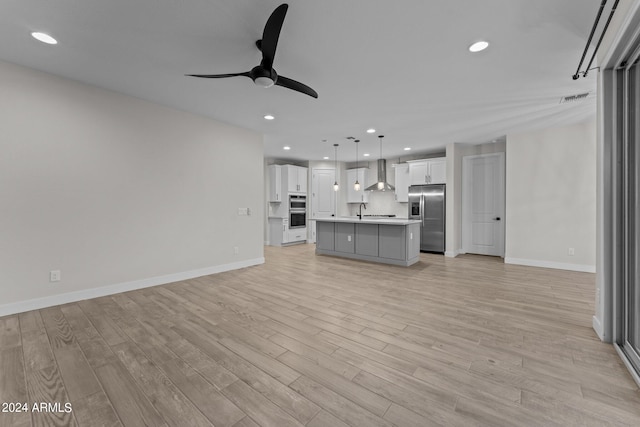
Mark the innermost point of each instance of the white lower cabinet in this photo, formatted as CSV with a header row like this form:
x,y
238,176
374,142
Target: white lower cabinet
x,y
296,235
280,234
285,230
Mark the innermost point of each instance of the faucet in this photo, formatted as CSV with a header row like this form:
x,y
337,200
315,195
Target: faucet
x,y
360,210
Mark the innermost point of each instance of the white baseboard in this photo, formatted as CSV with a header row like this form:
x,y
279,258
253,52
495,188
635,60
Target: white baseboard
x,y
451,254
597,326
38,303
550,264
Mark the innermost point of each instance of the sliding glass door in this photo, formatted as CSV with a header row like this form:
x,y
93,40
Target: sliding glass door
x,y
630,339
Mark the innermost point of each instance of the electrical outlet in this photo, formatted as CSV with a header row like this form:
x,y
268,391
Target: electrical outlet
x,y
236,250
572,251
348,238
55,276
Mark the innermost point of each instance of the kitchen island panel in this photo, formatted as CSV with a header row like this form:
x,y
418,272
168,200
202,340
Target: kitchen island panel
x,y
367,239
413,241
325,236
393,242
345,241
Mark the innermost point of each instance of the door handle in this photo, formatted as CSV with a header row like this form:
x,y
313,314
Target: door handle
x,y
497,218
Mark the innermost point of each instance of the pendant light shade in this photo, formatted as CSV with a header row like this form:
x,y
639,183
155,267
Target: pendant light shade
x,y
356,185
381,179
336,187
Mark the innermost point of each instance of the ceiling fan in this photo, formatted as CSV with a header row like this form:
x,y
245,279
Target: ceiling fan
x,y
264,75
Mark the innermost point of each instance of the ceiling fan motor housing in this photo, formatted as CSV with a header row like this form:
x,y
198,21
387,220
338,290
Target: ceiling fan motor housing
x,y
263,77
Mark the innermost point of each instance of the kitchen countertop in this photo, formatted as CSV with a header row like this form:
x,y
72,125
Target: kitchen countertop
x,y
384,221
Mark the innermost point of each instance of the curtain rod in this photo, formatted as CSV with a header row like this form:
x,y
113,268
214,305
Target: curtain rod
x,y
576,76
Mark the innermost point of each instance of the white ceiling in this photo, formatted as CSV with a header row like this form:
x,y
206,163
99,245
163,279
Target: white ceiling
x,y
401,67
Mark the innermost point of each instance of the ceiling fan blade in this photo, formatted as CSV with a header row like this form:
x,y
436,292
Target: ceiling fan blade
x,y
297,86
271,34
219,76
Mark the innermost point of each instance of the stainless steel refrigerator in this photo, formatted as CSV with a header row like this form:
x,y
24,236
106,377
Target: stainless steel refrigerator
x,y
427,204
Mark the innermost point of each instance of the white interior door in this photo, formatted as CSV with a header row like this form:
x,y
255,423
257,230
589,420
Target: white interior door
x,y
483,200
323,198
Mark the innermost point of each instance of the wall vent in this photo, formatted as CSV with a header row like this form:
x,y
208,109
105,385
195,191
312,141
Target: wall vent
x,y
574,98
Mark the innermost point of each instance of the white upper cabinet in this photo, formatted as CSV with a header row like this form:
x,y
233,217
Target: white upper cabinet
x,y
302,180
418,172
359,196
275,183
402,182
295,178
438,171
428,171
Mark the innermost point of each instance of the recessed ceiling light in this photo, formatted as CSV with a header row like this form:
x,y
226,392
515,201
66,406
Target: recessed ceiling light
x,y
478,46
325,158
407,148
324,140
366,154
269,117
44,38
286,147
372,130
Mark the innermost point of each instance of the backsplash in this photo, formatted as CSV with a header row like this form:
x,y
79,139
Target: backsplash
x,y
381,203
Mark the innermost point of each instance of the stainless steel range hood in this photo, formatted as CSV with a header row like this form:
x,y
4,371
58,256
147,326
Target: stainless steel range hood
x,y
382,184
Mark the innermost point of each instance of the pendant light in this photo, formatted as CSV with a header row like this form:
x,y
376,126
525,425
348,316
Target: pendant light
x,y
336,187
380,183
356,186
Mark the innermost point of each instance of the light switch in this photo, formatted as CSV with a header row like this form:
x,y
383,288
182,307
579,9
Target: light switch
x,y
348,238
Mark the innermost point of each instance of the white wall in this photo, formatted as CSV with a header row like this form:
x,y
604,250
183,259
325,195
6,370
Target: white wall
x,y
116,192
551,197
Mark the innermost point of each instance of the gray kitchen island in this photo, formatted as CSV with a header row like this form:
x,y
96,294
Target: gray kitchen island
x,y
384,240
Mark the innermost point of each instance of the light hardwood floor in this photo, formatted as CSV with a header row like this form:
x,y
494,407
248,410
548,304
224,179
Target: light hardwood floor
x,y
321,341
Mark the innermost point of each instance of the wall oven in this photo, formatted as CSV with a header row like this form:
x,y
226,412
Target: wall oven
x,y
297,202
297,211
297,219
